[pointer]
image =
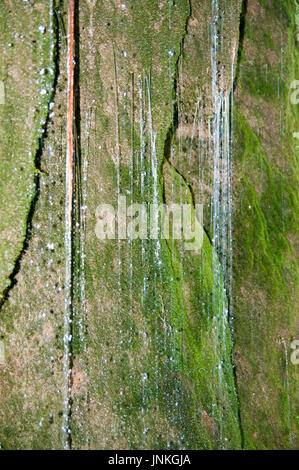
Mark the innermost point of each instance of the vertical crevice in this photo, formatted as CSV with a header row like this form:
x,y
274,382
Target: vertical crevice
x,y
77,170
242,27
175,113
37,163
175,122
73,320
167,157
69,219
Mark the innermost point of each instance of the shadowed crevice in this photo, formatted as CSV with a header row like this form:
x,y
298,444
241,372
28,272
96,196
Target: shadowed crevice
x,y
175,122
242,28
167,157
37,163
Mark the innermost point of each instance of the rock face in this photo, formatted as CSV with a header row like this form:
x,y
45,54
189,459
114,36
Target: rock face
x,y
179,102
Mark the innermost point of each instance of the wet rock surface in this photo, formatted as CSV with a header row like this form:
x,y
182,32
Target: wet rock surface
x,y
175,102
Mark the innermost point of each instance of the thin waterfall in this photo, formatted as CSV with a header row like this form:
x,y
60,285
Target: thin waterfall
x,y
155,200
120,215
142,175
154,167
142,170
221,204
82,228
67,338
117,145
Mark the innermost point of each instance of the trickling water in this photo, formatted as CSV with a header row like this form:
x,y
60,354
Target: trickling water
x,y
154,200
131,175
215,203
67,338
154,167
221,204
142,171
287,390
118,194
82,281
181,156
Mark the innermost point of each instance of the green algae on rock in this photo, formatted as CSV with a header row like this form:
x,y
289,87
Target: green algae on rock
x,y
27,38
176,102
